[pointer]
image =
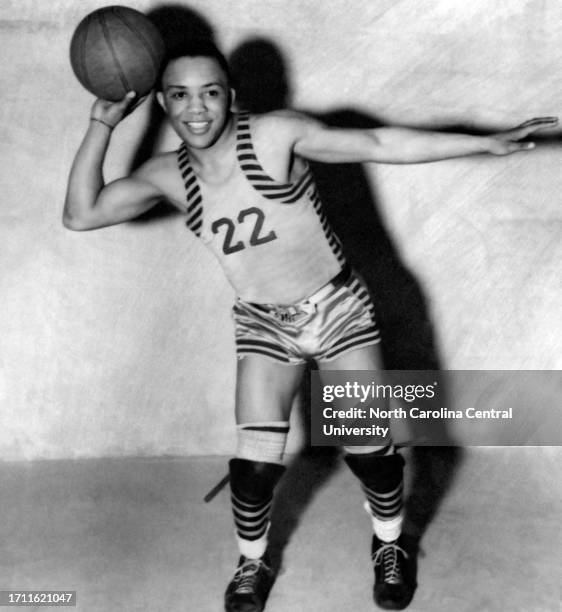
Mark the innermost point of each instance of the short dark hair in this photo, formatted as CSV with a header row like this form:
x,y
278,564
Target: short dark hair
x,y
194,48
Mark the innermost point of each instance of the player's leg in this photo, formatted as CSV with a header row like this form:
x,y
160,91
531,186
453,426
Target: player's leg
x,y
265,391
380,471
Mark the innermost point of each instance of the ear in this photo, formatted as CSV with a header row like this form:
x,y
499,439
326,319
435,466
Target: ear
x,y
232,100
160,98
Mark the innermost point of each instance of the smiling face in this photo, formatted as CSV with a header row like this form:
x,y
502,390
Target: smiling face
x,y
197,99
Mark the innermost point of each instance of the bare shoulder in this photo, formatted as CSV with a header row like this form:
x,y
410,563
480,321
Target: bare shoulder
x,y
286,124
275,136
162,172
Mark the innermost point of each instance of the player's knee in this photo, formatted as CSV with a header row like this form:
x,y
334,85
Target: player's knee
x,y
382,468
257,467
262,442
253,482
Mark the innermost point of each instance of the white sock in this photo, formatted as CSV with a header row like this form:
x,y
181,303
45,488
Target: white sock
x,y
253,549
386,531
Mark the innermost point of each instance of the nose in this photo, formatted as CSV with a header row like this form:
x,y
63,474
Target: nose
x,y
196,104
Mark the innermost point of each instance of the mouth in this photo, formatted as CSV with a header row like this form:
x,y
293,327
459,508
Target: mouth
x,y
197,127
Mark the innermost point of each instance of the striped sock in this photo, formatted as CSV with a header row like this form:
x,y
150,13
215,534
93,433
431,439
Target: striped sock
x,y
381,477
252,485
252,525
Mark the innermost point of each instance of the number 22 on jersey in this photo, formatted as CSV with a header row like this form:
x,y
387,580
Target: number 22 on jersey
x,y
230,244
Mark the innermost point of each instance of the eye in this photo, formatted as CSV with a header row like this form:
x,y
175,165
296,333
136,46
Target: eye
x,y
178,95
212,93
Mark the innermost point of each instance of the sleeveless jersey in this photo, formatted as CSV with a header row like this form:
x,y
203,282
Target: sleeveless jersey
x,y
272,239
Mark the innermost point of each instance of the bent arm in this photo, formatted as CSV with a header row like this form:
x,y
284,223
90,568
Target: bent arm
x,y
89,203
401,145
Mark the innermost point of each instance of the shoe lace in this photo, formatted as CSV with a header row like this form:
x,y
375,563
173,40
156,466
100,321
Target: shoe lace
x,y
387,555
246,575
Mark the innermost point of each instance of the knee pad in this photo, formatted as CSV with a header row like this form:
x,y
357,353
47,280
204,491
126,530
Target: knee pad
x,y
379,472
262,442
254,481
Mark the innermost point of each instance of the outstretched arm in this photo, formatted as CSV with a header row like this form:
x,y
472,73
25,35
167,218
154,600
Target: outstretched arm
x,y
401,145
91,204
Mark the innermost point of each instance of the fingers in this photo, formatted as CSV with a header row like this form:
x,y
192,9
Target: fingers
x,y
111,113
528,127
129,97
509,141
507,147
125,104
118,105
539,123
130,102
523,146
514,147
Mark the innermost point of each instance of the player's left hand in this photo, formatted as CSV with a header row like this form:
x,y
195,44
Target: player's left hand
x,y
504,143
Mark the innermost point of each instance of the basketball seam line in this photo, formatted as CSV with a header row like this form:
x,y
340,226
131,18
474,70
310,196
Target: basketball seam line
x,y
143,39
122,76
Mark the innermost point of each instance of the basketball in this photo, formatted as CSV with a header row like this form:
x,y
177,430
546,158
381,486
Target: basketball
x,y
115,50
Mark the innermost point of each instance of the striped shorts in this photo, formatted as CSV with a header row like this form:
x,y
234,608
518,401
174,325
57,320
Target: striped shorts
x,y
336,319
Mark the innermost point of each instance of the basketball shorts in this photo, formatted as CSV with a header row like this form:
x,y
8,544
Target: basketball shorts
x,y
338,318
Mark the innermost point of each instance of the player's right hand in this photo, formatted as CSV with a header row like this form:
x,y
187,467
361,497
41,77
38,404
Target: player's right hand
x,y
111,113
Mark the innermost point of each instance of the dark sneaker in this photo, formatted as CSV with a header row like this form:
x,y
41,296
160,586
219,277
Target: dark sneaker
x,y
394,585
250,586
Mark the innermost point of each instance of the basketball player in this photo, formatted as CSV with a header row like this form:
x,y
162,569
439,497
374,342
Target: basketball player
x,y
245,189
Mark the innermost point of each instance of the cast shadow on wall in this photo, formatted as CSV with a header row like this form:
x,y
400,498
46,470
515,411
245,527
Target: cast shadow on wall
x,y
262,85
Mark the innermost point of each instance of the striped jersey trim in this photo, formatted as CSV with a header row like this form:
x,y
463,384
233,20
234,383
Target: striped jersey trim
x,y
192,192
285,193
